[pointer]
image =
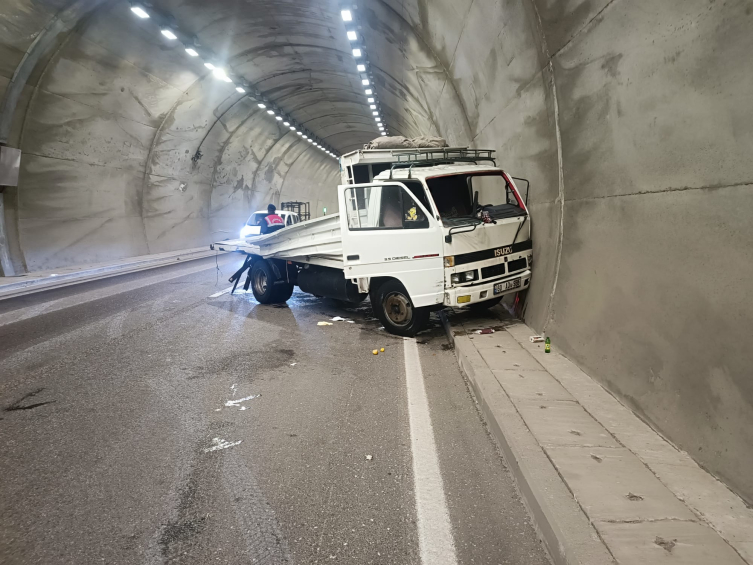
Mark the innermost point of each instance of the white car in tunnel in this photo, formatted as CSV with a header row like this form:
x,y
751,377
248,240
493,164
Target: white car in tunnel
x,y
253,224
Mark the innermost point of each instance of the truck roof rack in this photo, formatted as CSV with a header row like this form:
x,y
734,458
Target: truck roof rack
x,y
441,156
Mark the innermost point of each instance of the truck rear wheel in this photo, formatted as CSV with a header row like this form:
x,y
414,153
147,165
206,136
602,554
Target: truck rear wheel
x,y
394,308
267,288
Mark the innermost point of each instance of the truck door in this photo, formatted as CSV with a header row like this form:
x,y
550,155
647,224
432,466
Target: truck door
x,y
386,232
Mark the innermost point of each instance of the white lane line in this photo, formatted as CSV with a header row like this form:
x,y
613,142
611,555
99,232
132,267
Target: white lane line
x,y
96,294
435,540
218,294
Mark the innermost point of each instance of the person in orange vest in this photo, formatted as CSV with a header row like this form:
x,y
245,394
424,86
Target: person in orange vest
x,y
272,222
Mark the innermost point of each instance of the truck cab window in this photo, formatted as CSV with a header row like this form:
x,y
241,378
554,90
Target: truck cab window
x,y
453,196
383,207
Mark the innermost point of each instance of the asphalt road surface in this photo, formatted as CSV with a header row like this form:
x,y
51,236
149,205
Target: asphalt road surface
x,y
151,418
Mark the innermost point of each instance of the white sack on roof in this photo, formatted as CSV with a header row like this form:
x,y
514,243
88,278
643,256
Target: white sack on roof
x,y
400,142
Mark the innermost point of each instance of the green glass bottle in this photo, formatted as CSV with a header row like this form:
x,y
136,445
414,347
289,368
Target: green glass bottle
x,y
548,346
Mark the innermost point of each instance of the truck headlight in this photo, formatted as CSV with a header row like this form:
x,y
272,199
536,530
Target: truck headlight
x,y
467,276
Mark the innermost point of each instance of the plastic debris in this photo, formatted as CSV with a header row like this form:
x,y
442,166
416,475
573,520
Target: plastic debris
x,y
350,321
218,444
339,319
293,364
324,324
485,331
241,400
369,457
536,339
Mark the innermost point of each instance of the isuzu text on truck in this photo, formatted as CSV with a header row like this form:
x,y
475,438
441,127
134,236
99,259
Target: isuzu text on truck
x,y
417,230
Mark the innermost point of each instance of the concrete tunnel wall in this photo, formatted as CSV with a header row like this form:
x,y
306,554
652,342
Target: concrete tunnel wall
x,y
108,129
632,120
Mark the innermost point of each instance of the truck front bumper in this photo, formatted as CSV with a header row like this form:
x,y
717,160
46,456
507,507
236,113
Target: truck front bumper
x,y
458,296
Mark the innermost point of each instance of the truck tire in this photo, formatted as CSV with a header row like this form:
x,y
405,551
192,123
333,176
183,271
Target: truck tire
x,y
283,292
263,285
394,308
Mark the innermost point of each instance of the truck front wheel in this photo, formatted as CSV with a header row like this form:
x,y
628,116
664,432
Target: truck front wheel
x,y
394,308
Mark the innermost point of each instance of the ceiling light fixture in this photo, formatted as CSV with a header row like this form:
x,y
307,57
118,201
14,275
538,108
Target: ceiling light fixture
x,y
192,52
271,112
278,118
365,82
240,89
209,66
357,53
352,36
361,68
169,34
286,123
369,92
347,15
292,128
140,12
370,100
262,106
300,133
372,107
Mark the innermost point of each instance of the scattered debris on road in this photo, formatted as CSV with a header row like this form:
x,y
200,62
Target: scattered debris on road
x,y
218,444
536,339
665,544
375,352
369,457
485,331
324,324
241,400
293,364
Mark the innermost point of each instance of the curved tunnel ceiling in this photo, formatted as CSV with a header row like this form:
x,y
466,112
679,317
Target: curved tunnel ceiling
x,y
599,103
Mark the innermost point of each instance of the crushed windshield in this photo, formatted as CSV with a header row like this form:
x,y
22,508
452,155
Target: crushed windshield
x,y
454,197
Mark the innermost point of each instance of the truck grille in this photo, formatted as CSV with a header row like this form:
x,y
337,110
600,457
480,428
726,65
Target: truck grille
x,y
517,265
493,271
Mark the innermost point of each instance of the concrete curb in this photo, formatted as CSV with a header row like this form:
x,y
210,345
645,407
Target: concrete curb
x,y
563,527
39,283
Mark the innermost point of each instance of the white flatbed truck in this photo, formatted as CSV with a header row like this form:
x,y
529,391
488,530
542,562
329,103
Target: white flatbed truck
x,y
427,229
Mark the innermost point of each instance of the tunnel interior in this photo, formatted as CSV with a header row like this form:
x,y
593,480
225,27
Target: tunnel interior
x,y
632,121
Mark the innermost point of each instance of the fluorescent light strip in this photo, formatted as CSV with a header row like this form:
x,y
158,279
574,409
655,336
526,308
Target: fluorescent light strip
x,y
347,15
140,12
221,74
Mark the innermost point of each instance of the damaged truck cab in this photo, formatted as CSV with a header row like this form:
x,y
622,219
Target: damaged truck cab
x,y
452,230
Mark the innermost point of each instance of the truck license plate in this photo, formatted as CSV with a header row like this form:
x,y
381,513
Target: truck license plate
x,y
507,285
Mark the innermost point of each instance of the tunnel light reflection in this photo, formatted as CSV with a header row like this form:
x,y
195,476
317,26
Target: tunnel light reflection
x,y
347,15
140,12
192,52
169,34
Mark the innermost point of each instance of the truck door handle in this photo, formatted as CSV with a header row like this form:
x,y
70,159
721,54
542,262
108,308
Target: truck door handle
x,y
353,257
